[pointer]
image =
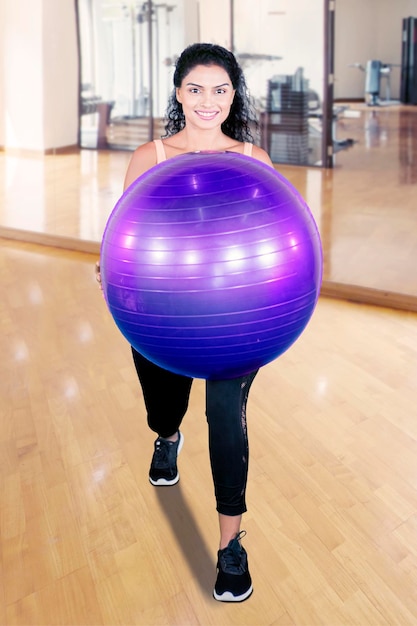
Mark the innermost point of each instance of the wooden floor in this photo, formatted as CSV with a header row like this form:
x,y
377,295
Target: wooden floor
x,y
366,207
86,540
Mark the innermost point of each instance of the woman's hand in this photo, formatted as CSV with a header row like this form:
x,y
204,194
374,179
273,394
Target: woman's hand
x,y
98,274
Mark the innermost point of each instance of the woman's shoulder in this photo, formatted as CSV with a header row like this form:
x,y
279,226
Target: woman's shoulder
x,y
146,151
261,155
254,151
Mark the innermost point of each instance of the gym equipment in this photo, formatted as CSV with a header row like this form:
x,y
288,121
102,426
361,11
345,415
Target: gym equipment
x,y
375,71
408,85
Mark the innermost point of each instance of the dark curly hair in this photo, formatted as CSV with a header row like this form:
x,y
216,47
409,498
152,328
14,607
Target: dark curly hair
x,y
241,116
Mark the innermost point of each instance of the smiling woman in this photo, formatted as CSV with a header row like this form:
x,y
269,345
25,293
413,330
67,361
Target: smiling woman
x,y
208,111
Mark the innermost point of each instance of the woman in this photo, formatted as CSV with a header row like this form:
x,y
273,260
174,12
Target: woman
x,y
208,110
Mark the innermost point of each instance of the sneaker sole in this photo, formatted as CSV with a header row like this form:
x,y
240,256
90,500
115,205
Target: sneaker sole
x,y
227,596
163,482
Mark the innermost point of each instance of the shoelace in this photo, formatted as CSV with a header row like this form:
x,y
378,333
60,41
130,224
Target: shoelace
x,y
162,449
232,555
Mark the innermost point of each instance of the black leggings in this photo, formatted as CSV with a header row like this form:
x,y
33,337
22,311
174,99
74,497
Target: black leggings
x,y
166,398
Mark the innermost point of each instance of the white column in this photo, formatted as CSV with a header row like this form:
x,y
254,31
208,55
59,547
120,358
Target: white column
x,y
2,66
39,96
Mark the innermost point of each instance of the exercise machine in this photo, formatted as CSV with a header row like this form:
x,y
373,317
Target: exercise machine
x,y
375,71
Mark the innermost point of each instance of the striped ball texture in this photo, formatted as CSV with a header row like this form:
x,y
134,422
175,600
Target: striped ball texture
x,y
211,264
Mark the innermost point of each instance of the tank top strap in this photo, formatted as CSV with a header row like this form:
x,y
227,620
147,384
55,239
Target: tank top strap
x,y
160,151
247,148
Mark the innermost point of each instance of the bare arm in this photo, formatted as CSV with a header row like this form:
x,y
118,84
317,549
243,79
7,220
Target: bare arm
x,y
142,160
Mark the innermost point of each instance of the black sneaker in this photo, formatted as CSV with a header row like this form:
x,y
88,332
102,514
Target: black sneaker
x,y
233,583
163,470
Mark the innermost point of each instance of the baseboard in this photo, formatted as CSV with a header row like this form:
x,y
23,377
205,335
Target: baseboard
x,y
367,295
52,241
26,152
348,100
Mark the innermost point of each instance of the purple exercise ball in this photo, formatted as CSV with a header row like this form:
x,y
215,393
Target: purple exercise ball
x,y
211,264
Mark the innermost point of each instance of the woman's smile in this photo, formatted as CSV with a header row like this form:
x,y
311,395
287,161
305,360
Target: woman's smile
x,y
207,115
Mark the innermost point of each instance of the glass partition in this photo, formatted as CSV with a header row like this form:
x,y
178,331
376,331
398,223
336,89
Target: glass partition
x,y
280,44
128,50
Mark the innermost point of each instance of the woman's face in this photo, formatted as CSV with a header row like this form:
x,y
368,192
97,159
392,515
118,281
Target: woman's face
x,y
206,94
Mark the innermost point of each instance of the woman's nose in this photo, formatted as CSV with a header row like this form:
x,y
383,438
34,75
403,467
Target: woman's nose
x,y
206,98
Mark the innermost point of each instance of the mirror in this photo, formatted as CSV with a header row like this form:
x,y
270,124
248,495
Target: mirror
x,y
53,192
